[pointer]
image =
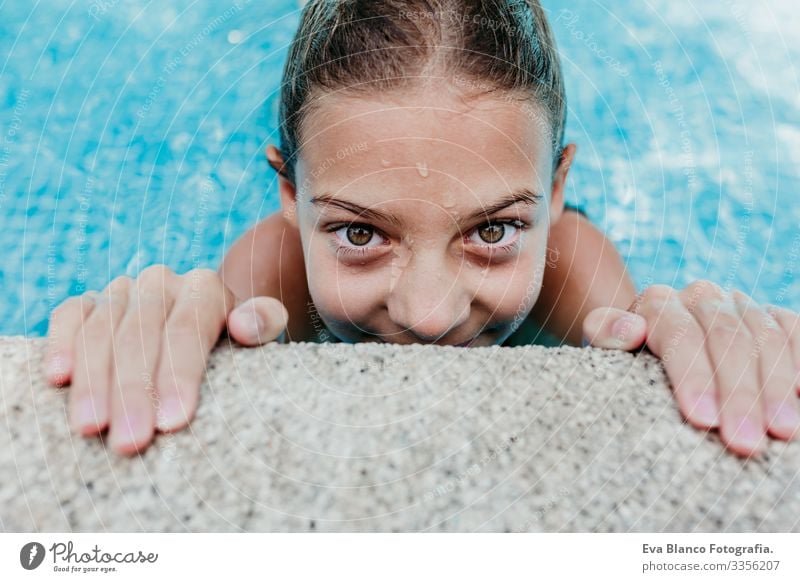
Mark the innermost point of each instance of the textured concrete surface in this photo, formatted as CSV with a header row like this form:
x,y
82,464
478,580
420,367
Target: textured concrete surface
x,y
333,437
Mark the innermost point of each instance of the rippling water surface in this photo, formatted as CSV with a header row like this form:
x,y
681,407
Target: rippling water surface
x,y
132,133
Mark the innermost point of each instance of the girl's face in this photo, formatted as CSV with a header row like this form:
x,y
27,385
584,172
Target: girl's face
x,y
424,217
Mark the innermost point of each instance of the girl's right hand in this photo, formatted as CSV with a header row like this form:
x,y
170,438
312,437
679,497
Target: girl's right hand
x,y
135,353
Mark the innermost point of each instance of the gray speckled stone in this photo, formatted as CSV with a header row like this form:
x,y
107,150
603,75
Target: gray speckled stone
x,y
369,437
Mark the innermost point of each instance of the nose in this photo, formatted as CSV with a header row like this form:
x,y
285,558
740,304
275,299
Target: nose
x,y
425,301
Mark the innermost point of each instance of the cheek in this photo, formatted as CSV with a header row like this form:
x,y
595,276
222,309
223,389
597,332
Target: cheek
x,y
342,295
513,289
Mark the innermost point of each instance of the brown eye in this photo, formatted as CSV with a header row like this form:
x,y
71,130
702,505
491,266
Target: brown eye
x,y
503,235
359,235
356,238
491,233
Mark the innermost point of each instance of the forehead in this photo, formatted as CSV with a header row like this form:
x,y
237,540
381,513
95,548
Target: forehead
x,y
486,142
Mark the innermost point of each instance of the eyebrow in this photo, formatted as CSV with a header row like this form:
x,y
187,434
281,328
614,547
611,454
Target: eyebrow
x,y
522,195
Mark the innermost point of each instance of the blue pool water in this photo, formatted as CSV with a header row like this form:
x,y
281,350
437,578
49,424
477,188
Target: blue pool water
x,y
132,133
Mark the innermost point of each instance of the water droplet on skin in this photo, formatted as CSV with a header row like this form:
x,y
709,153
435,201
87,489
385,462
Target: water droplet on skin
x,y
235,36
422,168
386,163
449,200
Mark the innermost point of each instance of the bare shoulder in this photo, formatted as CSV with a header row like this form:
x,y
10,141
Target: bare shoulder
x,y
267,260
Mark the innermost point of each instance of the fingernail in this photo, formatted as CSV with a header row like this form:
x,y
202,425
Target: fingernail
x,y
171,414
748,434
86,416
57,365
279,315
252,323
784,415
622,328
705,410
126,432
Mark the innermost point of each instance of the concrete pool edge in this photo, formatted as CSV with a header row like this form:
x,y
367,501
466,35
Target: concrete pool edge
x,y
371,437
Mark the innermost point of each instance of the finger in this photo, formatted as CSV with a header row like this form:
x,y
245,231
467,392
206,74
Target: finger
x,y
191,331
729,343
790,323
776,368
88,398
675,337
257,321
65,321
137,346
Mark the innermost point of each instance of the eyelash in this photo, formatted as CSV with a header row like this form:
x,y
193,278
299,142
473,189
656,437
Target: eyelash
x,y
364,250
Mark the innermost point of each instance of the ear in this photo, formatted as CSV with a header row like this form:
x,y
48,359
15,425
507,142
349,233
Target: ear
x,y
560,181
287,189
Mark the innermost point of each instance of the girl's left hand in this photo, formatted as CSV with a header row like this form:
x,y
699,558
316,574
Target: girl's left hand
x,y
733,364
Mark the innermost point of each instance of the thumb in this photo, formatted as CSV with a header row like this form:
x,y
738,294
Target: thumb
x,y
257,320
612,328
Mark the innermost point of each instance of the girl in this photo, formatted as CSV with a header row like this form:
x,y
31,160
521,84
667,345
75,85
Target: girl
x,y
422,172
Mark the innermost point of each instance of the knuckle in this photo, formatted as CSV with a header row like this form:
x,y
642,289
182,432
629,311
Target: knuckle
x,y
727,318
770,327
728,321
739,295
658,296
153,276
145,297
115,292
205,275
205,288
779,312
703,290
88,299
204,281
715,311
727,332
121,282
771,337
95,329
159,268
694,336
188,324
184,319
682,332
151,287
68,305
129,336
743,300
190,336
208,303
101,323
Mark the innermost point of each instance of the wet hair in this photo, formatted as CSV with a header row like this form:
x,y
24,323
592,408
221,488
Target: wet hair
x,y
366,46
